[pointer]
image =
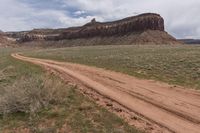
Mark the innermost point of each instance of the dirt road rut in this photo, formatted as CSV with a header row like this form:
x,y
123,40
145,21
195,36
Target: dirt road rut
x,y
174,108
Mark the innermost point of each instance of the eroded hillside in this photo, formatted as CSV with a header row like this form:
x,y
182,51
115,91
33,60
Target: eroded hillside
x,y
142,29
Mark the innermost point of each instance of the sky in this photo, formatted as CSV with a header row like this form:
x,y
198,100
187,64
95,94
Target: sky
x,y
182,18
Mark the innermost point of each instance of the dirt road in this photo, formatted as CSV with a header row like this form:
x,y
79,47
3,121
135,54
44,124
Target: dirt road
x,y
174,108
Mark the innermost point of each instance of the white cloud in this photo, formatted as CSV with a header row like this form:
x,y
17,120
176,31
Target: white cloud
x,y
11,15
17,16
78,13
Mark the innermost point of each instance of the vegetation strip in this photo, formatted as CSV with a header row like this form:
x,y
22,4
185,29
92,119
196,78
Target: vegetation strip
x,y
72,113
145,108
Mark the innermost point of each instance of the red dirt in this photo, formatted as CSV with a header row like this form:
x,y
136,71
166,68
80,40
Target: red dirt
x,y
174,109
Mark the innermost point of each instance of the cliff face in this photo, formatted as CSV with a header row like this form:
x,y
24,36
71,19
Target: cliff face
x,y
125,26
129,26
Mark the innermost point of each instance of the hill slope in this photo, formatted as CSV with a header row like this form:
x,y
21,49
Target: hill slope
x,y
142,29
5,40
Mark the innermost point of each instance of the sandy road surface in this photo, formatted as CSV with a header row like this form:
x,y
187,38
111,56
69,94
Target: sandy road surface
x,y
174,108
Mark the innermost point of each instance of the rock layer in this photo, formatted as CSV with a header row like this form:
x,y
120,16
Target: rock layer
x,y
130,26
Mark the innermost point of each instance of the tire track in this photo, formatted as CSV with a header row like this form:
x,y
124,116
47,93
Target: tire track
x,y
173,108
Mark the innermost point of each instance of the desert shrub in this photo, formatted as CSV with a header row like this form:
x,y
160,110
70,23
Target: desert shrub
x,y
31,94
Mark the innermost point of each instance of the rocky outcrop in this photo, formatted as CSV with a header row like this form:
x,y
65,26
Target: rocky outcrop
x,y
5,41
129,26
125,26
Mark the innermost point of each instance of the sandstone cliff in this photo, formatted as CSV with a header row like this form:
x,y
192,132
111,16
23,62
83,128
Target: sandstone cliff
x,y
128,25
135,27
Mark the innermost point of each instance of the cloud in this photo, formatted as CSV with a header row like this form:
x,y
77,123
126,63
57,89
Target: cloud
x,y
79,13
181,17
16,15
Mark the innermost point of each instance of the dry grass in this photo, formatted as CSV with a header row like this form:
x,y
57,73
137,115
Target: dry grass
x,y
174,64
33,101
30,95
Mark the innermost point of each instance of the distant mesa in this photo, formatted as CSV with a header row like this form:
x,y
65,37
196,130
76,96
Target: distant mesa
x,y
141,29
190,41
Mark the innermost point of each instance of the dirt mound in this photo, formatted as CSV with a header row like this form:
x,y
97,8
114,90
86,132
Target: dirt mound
x,y
155,37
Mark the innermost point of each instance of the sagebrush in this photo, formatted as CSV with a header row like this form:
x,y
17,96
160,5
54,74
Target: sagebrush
x,y
29,95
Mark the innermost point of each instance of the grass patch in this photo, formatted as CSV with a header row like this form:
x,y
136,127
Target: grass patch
x,y
178,64
34,101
